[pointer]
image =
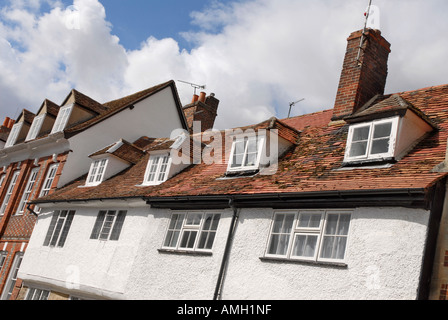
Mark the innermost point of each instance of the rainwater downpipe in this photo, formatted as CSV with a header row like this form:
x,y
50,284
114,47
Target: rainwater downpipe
x,y
225,258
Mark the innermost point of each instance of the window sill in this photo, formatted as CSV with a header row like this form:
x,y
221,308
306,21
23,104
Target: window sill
x,y
305,262
185,252
369,162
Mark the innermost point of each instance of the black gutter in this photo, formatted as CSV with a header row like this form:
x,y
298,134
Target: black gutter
x,y
410,198
225,258
438,193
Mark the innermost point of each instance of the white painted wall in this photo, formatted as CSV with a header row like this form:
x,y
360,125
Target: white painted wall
x,y
156,116
90,268
384,258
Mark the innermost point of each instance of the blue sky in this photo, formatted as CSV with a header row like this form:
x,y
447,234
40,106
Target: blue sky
x,y
257,56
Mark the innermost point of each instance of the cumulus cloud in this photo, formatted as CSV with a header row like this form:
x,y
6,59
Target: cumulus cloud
x,y
257,56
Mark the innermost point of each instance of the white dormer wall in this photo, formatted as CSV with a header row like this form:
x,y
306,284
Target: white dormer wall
x,y
410,131
155,116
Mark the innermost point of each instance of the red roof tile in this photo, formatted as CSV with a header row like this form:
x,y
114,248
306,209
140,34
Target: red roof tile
x,y
312,165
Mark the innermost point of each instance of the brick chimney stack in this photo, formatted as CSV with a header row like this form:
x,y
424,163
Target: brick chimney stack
x,y
203,109
361,80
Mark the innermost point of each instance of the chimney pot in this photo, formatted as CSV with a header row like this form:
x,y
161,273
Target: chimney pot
x,y
202,97
11,123
6,122
195,98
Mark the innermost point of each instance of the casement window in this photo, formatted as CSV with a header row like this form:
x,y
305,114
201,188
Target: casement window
x,y
27,191
12,277
9,192
2,179
3,255
157,169
37,294
35,128
13,135
96,172
309,235
246,153
108,225
373,140
194,231
62,119
59,228
51,174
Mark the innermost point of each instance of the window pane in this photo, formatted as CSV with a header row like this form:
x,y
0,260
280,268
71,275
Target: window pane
x,y
51,228
332,221
107,226
98,223
309,220
193,219
279,244
58,228
380,146
343,225
360,134
358,149
333,247
305,245
251,159
68,223
188,239
171,239
118,225
382,130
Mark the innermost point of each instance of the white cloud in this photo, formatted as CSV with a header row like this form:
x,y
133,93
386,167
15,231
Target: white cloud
x,y
256,56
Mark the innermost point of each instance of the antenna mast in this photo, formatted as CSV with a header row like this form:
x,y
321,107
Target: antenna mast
x,y
363,37
292,104
195,86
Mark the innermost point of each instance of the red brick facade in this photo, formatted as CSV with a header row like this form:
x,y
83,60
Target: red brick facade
x,y
16,229
361,80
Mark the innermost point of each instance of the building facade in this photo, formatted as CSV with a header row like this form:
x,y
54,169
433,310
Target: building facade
x,y
50,148
346,203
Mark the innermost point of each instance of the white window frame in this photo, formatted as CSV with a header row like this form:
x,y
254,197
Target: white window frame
x,y
59,228
37,294
319,232
62,118
108,225
184,229
49,179
13,135
368,155
27,192
2,179
35,127
260,140
3,256
12,277
9,192
157,170
96,172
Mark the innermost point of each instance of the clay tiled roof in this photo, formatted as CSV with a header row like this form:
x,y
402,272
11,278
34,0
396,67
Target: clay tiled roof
x,y
312,165
123,150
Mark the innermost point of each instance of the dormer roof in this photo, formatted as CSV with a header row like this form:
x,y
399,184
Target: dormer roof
x,y
123,150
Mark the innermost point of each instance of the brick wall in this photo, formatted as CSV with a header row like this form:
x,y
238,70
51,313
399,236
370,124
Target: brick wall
x,y
361,81
16,230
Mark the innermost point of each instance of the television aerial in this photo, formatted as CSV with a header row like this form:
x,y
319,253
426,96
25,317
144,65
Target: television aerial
x,y
195,86
292,104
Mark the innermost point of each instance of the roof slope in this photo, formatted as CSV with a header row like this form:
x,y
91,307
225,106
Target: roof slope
x,y
312,165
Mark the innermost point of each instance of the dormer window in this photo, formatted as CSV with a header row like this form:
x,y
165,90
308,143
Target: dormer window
x,y
246,153
96,173
157,170
62,119
35,128
12,138
372,140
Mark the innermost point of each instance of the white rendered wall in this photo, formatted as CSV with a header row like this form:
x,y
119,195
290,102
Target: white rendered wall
x,y
156,116
384,258
84,267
